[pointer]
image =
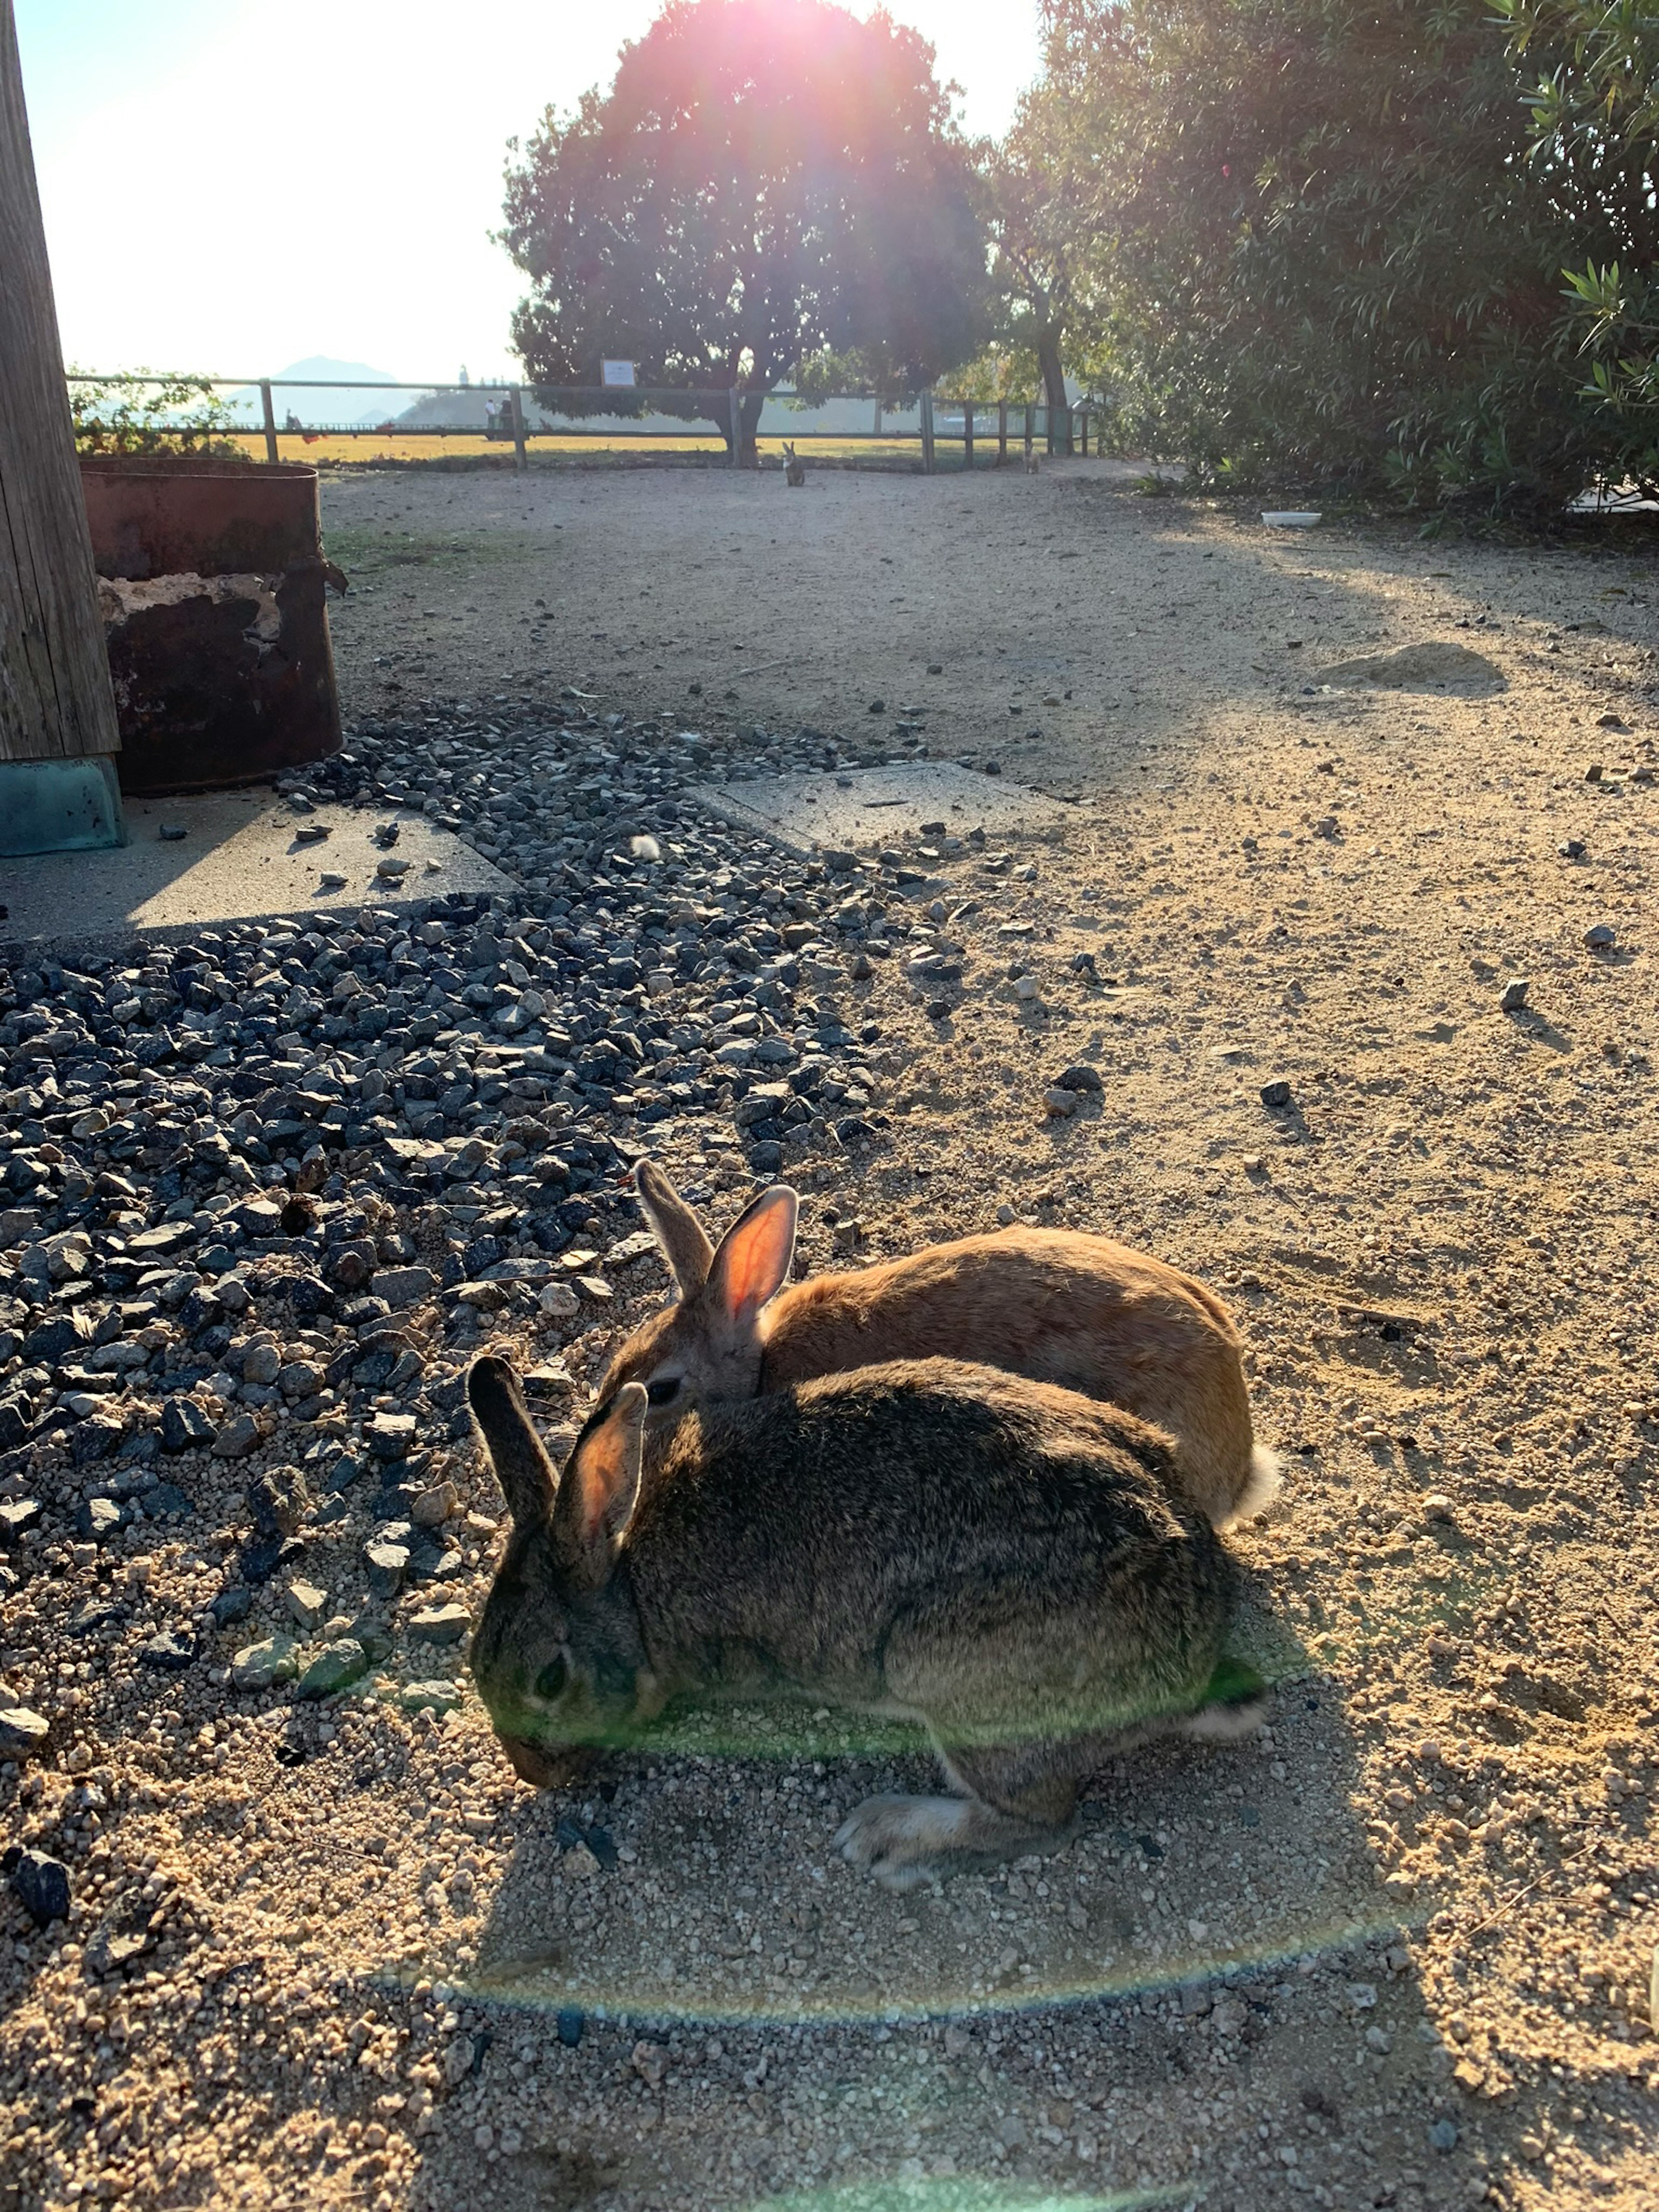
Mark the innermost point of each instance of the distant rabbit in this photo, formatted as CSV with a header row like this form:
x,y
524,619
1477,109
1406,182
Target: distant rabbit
x,y
998,1557
1050,1303
1030,456
794,472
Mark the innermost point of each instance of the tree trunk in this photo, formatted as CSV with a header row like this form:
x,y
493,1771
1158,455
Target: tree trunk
x,y
1053,389
748,416
56,701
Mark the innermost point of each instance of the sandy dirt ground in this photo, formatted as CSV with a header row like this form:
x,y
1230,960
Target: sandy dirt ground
x,y
1396,1951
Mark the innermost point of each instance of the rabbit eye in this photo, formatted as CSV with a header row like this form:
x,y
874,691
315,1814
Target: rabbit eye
x,y
664,1392
550,1683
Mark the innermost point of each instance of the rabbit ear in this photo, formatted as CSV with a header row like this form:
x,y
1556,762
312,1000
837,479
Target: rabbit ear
x,y
685,1246
599,1489
753,1262
515,1450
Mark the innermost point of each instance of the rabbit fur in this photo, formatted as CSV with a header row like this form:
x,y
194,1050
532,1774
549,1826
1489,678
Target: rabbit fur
x,y
998,1559
1053,1304
794,470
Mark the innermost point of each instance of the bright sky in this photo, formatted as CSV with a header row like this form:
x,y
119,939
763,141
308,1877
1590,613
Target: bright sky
x,y
230,185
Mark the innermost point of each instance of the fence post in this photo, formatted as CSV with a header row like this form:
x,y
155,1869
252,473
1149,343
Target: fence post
x,y
968,434
1030,424
927,413
737,426
270,413
516,400
1082,425
1002,433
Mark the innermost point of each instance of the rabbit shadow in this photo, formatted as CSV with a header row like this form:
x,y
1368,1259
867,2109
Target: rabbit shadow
x,y
677,1947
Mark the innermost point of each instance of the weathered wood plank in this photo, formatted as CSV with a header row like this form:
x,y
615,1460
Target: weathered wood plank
x,y
55,696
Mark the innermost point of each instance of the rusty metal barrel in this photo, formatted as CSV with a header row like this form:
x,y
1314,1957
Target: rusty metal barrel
x,y
211,584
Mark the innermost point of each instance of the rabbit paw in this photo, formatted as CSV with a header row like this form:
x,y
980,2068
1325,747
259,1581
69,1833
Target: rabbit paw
x,y
897,1839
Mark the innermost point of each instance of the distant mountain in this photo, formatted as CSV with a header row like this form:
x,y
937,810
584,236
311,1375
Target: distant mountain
x,y
332,404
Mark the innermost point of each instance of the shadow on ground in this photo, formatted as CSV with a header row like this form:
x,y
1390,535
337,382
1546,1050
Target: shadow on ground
x,y
681,1994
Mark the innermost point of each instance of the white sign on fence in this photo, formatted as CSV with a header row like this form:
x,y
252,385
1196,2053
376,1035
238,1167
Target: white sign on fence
x,y
616,371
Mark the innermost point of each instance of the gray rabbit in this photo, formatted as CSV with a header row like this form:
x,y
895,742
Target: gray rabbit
x,y
1001,1560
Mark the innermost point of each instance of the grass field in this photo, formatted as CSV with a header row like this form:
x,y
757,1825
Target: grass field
x,y
401,447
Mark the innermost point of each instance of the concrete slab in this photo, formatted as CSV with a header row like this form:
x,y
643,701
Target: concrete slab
x,y
855,808
238,861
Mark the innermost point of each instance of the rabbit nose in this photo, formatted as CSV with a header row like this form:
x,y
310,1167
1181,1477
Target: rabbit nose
x,y
545,1768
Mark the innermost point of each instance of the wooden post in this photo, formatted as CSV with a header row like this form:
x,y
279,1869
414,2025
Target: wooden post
x,y
737,426
1030,426
968,434
272,453
55,702
515,401
926,417
1083,427
1002,434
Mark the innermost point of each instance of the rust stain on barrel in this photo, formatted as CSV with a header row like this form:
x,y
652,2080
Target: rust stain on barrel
x,y
215,617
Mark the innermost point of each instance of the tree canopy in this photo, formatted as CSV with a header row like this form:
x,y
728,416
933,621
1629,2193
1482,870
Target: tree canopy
x,y
1327,240
768,180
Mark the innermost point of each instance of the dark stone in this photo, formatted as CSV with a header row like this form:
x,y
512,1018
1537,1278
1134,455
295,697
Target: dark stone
x,y
231,1605
1276,1093
97,1437
386,1563
13,1424
390,1436
569,2021
95,1613
349,1268
279,1500
309,1295
101,1518
603,1845
170,1652
41,1885
1080,1077
184,1427
260,1559
767,1157
166,1502
51,1343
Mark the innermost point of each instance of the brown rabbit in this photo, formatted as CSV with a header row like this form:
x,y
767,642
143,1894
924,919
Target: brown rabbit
x,y
794,470
998,1559
1050,1303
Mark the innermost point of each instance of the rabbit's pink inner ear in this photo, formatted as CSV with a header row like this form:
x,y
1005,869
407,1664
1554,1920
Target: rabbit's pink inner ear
x,y
602,1484
752,1263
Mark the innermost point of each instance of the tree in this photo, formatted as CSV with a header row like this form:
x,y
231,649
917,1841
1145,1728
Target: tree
x,y
1308,246
1029,189
1594,114
766,180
